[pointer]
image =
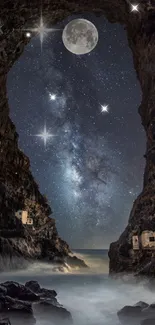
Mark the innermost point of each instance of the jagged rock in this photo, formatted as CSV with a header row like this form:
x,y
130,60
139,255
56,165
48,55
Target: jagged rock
x,y
149,311
8,304
55,312
42,293
140,313
33,285
141,304
46,305
17,310
148,270
130,314
74,262
18,291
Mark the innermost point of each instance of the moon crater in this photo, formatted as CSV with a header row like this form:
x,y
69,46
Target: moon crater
x,y
80,36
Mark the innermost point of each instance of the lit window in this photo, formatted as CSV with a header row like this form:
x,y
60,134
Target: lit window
x,y
151,239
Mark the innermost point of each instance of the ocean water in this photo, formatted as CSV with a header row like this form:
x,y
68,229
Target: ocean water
x,y
91,296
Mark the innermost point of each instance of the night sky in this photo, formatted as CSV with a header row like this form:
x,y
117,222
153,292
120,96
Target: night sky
x,y
91,169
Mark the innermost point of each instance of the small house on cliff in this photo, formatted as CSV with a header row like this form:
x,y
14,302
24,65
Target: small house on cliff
x,y
145,241
23,216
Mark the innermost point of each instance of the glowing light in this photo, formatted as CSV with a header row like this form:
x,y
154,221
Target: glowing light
x,y
42,30
104,108
28,34
45,135
134,8
52,96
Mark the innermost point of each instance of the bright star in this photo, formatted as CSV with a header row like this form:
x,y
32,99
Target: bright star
x,y
28,34
45,135
104,109
42,30
134,8
52,96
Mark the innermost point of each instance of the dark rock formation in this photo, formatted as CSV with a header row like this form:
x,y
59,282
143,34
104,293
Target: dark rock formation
x,y
17,186
16,310
30,302
148,270
48,306
19,291
5,321
148,321
140,313
74,262
18,189
42,293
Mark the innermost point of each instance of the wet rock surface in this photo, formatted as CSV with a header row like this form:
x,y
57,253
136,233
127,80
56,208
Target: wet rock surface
x,y
140,313
36,303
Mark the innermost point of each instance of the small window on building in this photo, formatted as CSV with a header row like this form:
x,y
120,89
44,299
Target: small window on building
x,y
151,239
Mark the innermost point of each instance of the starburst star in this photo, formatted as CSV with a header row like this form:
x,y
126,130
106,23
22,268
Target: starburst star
x,y
42,30
134,8
52,96
104,109
45,135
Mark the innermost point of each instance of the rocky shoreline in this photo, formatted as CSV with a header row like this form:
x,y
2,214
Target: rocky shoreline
x,y
140,313
29,303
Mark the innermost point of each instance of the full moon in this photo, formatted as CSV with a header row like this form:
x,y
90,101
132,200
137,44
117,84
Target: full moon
x,y
80,36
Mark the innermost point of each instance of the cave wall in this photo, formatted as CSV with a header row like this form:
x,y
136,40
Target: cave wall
x,y
17,185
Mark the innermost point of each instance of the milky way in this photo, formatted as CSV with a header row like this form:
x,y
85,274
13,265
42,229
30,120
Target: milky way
x,y
91,170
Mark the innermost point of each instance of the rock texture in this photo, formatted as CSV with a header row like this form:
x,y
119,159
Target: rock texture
x,y
140,313
29,303
17,186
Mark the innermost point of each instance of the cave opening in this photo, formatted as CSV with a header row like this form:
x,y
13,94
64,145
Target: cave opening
x,y
91,170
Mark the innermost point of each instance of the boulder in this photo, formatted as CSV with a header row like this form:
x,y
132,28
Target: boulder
x,y
16,310
33,286
140,313
75,262
43,294
141,304
18,291
55,313
16,303
8,304
149,311
129,311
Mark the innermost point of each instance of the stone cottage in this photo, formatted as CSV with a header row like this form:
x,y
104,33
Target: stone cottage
x,y
145,241
23,216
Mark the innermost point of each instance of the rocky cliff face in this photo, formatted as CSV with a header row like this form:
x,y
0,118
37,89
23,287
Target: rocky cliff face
x,y
142,216
17,186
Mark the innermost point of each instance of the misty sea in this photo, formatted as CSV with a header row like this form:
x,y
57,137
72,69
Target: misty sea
x,y
91,296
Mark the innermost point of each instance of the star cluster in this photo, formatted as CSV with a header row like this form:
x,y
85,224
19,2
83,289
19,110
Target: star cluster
x,y
78,122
